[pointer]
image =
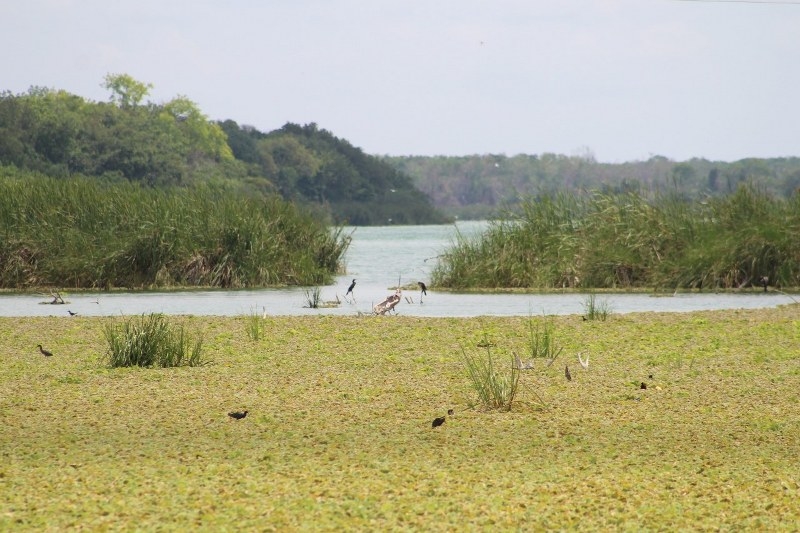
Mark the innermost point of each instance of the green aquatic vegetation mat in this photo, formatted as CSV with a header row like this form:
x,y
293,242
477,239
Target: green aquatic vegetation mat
x,y
338,434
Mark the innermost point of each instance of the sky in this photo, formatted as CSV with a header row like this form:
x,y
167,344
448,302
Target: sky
x,y
618,80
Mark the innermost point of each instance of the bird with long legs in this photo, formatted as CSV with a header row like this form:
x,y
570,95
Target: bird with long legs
x,y
423,290
350,291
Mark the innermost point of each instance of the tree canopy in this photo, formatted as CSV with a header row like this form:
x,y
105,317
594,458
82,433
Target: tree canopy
x,y
173,143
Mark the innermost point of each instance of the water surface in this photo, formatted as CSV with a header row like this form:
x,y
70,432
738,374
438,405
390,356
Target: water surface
x,y
377,258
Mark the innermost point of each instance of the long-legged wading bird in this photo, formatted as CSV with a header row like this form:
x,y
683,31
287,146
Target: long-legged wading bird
x,y
238,415
45,353
423,288
350,289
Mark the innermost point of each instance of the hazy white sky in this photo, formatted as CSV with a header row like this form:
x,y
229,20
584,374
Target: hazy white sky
x,y
625,79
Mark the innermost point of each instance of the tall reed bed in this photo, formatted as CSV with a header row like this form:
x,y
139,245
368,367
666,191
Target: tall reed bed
x,y
623,241
82,232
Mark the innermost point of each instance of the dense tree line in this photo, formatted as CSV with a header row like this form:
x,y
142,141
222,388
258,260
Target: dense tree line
x,y
61,134
309,164
476,186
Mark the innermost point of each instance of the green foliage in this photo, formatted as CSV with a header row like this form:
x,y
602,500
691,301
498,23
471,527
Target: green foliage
x,y
476,185
81,232
594,309
125,90
496,389
254,325
312,165
313,297
542,341
61,134
151,341
626,240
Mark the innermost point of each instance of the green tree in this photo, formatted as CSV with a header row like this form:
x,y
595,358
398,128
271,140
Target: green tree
x,y
125,90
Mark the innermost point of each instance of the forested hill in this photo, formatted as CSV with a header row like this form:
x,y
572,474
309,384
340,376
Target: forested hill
x,y
169,144
310,164
477,186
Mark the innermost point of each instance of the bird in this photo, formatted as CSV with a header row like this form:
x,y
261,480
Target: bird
x,y
350,288
71,313
643,386
423,288
45,353
450,412
584,364
764,280
566,373
238,415
438,422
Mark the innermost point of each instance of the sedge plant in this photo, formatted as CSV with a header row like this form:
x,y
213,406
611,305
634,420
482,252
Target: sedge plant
x,y
496,387
151,341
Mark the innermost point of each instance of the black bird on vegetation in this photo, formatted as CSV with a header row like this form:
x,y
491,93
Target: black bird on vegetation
x,y
71,313
45,353
567,374
450,412
438,422
238,415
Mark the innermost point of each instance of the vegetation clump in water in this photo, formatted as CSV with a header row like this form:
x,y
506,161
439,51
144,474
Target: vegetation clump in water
x,y
84,233
628,241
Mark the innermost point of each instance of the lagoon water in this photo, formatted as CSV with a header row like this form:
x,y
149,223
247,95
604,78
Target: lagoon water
x,y
377,258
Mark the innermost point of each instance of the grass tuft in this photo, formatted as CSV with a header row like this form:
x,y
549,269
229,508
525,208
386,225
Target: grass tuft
x,y
496,389
254,326
313,297
151,341
595,309
542,339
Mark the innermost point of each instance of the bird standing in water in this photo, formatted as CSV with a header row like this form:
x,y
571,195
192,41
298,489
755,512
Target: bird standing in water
x,y
423,290
45,353
350,290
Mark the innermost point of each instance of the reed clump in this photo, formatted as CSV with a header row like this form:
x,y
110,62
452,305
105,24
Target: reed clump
x,y
151,341
496,385
88,233
600,240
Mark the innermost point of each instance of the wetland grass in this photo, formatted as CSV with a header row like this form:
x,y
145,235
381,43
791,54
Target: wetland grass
x,y
88,233
338,434
594,309
627,241
151,341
